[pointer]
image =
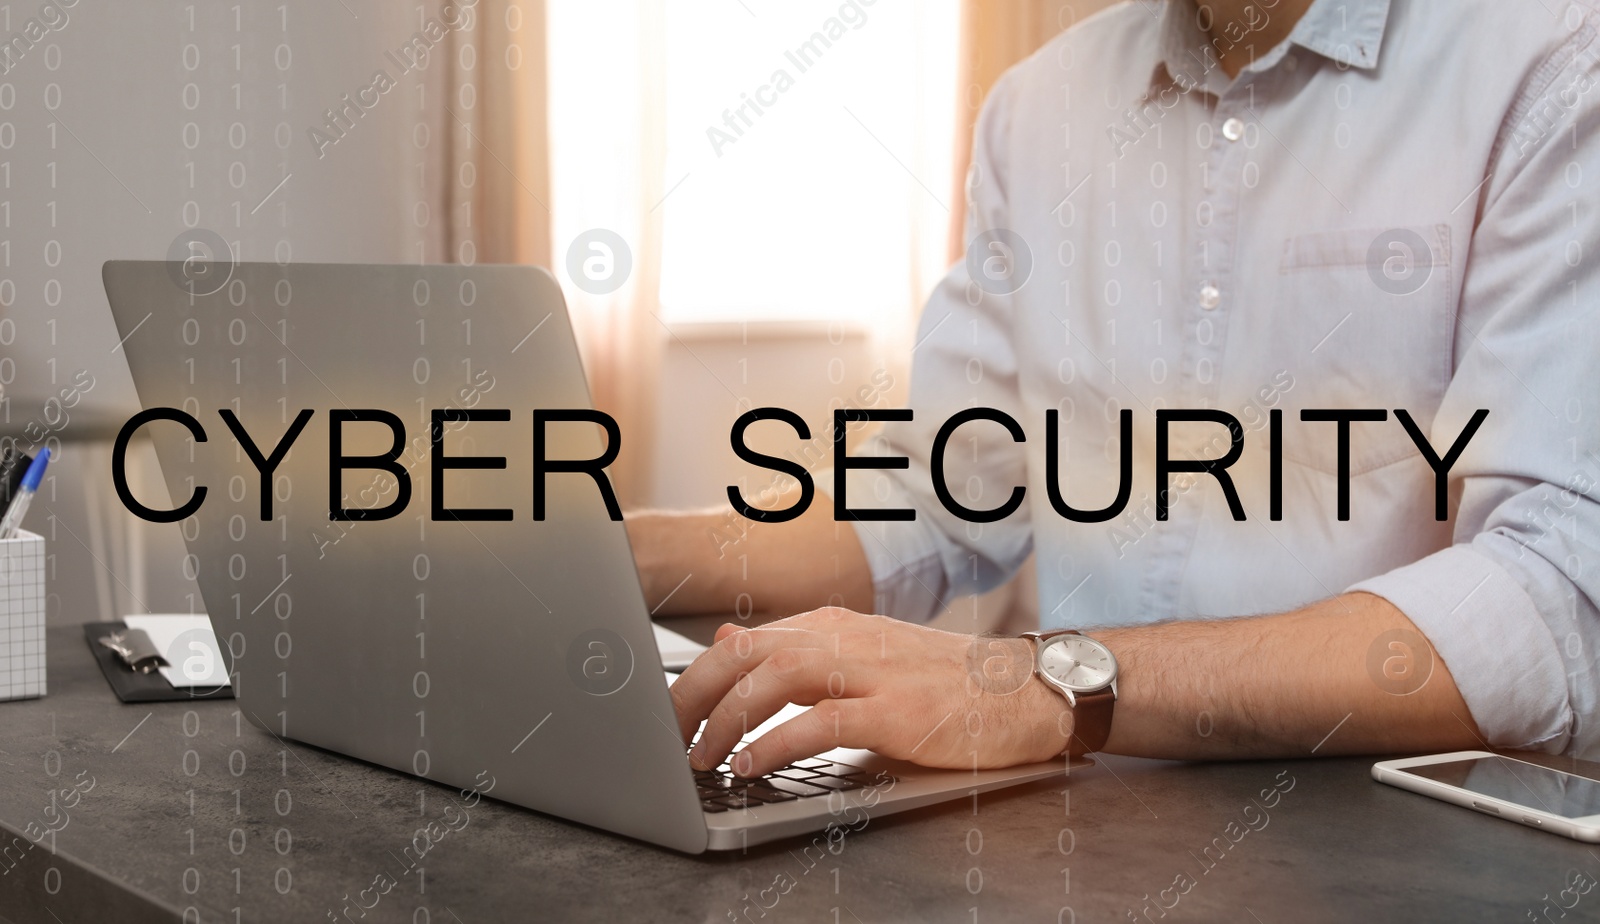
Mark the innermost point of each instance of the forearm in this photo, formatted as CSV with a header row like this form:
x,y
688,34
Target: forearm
x,y
1326,679
716,561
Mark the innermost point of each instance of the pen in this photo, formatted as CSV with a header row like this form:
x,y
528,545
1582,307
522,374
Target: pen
x,y
19,504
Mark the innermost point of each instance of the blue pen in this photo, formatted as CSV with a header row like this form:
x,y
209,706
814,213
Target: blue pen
x,y
19,504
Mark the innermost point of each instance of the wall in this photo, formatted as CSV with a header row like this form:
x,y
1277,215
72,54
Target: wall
x,y
129,125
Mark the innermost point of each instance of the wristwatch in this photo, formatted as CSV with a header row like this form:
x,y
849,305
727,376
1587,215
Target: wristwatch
x,y
1085,672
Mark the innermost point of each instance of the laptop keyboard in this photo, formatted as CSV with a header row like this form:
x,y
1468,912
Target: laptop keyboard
x,y
721,791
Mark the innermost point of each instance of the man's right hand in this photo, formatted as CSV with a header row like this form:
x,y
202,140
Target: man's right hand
x,y
903,690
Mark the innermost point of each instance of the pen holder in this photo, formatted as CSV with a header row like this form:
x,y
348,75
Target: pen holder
x,y
22,617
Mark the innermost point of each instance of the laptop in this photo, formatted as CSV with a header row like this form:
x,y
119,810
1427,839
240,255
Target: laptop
x,y
438,628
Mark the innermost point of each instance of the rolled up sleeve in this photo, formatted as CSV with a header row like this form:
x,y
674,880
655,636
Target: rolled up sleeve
x,y
1510,608
1485,626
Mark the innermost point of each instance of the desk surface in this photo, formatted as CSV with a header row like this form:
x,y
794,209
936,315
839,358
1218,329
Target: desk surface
x,y
192,809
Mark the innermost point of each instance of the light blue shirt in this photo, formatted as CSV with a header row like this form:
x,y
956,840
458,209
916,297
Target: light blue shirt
x,y
1394,209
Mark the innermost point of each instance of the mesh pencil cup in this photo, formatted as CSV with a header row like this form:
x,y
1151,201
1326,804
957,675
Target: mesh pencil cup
x,y
22,616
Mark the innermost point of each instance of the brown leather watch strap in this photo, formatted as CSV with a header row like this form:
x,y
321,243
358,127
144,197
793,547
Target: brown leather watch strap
x,y
1091,722
1091,717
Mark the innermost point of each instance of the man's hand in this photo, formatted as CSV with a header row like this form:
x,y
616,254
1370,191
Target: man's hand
x,y
1308,682
905,691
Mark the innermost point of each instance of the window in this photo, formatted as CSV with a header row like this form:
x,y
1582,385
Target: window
x,y
806,166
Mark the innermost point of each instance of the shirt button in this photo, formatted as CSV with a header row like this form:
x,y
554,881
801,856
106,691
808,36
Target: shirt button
x,y
1233,129
1210,297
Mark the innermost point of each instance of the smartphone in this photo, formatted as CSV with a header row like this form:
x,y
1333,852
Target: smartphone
x,y
1539,797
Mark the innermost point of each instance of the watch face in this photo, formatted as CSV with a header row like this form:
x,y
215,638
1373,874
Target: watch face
x,y
1080,664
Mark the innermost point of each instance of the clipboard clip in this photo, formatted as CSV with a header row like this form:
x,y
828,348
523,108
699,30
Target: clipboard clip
x,y
135,650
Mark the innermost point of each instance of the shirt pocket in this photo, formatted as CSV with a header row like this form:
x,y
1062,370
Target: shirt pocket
x,y
1362,320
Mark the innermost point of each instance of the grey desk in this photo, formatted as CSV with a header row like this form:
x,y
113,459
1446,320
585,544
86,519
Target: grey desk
x,y
193,812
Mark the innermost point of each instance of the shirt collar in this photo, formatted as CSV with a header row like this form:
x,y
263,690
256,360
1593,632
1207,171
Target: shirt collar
x,y
1344,31
1348,32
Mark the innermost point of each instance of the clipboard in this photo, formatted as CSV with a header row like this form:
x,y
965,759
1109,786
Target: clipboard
x,y
133,687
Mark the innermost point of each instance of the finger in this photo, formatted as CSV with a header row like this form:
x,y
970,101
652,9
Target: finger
x,y
723,631
788,675
830,619
705,682
827,725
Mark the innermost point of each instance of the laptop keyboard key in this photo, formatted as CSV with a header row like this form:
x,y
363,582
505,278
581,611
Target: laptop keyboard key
x,y
840,770
739,800
836,784
720,791
797,788
793,773
777,795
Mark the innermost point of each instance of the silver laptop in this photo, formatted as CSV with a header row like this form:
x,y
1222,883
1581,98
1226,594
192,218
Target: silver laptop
x,y
441,630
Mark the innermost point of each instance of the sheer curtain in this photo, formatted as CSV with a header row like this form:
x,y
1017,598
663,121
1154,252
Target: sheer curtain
x,y
494,101
607,153
517,108
624,164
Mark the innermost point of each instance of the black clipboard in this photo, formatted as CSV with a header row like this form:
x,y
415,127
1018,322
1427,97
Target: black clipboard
x,y
132,686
